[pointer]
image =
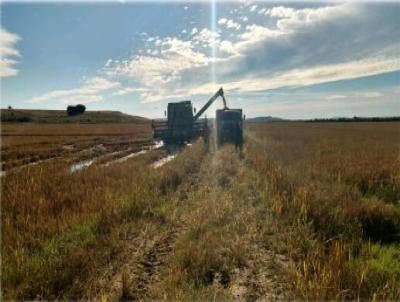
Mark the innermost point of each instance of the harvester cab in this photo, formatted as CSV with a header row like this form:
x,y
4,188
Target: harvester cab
x,y
181,126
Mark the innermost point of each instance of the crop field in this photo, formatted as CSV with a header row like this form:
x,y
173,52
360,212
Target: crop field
x,y
26,144
95,211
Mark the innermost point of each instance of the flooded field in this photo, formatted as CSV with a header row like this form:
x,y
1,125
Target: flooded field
x,y
78,145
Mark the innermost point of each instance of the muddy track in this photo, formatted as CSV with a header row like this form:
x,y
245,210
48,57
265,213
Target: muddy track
x,y
261,278
137,267
144,254
148,268
139,272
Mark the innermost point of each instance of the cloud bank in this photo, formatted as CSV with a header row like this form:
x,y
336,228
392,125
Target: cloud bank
x,y
89,92
287,47
8,53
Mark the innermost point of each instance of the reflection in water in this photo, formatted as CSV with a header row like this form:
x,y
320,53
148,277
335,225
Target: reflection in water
x,y
163,161
81,165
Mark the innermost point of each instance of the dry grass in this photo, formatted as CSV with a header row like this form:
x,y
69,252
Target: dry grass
x,y
117,129
58,226
336,188
218,252
310,212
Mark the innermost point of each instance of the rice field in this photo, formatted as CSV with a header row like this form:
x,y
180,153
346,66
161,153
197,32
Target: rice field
x,y
308,211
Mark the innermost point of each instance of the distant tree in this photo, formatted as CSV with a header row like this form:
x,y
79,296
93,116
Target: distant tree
x,y
75,110
71,111
9,107
81,108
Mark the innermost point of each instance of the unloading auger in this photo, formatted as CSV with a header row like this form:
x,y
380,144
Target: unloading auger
x,y
181,126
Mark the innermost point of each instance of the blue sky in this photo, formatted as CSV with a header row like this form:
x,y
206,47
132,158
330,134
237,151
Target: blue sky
x,y
293,60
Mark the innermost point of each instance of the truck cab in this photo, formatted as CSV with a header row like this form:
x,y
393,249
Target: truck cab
x,y
229,125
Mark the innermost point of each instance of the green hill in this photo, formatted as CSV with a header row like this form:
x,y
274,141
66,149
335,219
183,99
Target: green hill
x,y
60,116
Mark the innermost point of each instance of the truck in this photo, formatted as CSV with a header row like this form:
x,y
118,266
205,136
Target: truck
x,y
183,124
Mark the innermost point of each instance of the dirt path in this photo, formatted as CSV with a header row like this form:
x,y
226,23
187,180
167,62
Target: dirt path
x,y
261,278
137,267
144,253
212,244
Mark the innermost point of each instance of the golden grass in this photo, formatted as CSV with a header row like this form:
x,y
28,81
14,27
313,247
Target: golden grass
x,y
28,129
53,223
335,188
310,212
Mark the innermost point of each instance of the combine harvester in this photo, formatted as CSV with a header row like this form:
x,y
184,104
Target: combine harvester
x,y
182,127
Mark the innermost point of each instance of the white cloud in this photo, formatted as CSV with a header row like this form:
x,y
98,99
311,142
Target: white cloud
x,y
280,12
227,47
305,47
194,31
128,90
8,53
370,94
157,73
97,84
262,11
255,34
336,96
229,24
253,8
82,99
88,90
311,76
206,37
222,21
152,52
356,95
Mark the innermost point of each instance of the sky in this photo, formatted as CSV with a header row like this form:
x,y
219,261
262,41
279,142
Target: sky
x,y
285,59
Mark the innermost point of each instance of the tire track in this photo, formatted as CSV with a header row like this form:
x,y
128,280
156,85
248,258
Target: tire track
x,y
145,253
148,267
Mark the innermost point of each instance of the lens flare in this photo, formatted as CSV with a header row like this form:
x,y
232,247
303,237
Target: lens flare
x,y
214,42
213,55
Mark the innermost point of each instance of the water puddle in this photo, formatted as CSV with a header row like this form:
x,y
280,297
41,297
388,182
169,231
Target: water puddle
x,y
163,161
145,149
86,163
80,165
125,158
156,145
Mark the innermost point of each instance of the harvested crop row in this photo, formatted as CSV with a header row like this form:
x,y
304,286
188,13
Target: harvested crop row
x,y
59,228
218,252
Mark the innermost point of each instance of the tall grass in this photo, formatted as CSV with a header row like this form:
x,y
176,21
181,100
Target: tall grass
x,y
56,226
326,196
335,189
220,246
